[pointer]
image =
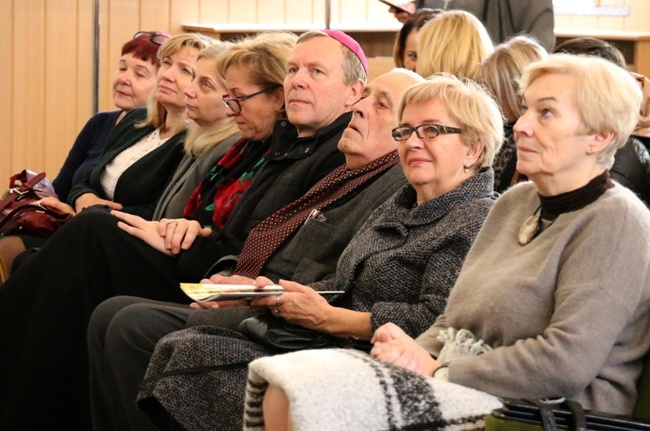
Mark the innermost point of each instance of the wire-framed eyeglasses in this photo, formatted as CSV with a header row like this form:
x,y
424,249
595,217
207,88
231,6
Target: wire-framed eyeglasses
x,y
155,38
234,103
423,131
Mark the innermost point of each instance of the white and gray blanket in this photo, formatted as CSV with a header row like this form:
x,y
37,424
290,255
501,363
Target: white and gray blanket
x,y
343,389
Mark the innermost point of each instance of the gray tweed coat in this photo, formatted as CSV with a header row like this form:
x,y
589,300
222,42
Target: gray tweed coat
x,y
400,267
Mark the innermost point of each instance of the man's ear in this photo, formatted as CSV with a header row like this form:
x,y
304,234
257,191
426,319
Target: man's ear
x,y
356,91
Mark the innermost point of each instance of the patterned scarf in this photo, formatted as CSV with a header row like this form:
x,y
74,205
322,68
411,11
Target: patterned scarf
x,y
213,200
267,236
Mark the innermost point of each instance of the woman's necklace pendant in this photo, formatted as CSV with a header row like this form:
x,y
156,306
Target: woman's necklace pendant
x,y
530,229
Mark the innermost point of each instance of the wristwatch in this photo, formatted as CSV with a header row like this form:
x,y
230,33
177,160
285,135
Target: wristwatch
x,y
441,373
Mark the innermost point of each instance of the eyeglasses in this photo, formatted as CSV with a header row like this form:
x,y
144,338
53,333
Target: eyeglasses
x,y
156,38
234,103
423,131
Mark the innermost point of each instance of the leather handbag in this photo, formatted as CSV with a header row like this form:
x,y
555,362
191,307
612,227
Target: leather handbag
x,y
535,415
21,212
282,336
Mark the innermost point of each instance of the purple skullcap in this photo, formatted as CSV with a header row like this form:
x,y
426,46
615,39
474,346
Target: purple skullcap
x,y
350,44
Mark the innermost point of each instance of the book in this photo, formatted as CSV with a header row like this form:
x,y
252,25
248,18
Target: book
x,y
234,292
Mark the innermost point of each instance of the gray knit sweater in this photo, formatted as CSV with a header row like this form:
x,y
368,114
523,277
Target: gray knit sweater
x,y
413,253
567,314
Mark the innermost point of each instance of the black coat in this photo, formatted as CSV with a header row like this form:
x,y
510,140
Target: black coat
x,y
141,185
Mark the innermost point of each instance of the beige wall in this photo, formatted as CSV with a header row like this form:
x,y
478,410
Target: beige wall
x,y
47,62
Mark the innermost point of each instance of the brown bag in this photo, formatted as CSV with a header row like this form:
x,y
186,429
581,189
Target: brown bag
x,y
20,210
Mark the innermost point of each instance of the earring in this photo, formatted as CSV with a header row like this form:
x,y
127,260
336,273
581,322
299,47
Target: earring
x,y
466,167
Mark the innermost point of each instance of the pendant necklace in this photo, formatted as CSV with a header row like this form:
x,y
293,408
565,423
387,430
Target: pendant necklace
x,y
531,227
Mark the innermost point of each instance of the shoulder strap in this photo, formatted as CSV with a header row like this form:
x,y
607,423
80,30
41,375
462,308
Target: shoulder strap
x,y
15,192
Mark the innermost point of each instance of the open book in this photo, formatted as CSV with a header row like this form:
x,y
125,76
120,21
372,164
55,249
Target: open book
x,y
232,292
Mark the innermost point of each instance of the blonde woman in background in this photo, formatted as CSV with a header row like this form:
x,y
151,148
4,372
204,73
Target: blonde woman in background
x,y
455,42
501,73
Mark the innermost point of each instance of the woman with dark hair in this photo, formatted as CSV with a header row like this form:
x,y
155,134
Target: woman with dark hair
x,y
405,49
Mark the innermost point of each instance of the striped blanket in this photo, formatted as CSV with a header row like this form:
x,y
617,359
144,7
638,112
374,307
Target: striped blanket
x,y
343,389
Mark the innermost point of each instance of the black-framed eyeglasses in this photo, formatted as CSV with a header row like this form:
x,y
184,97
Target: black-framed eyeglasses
x,y
234,103
156,38
423,131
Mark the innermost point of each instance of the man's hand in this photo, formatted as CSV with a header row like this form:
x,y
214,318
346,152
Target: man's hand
x,y
393,345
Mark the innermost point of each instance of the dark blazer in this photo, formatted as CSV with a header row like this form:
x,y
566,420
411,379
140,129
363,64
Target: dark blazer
x,y
632,167
311,253
293,167
142,184
85,151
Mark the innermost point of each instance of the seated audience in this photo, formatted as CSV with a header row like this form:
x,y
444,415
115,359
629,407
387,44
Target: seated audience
x,y
301,153
501,73
143,150
454,42
631,166
553,299
405,48
398,267
307,252
133,81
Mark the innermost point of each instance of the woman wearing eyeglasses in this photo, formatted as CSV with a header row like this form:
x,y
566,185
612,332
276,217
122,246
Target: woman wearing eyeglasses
x,y
553,300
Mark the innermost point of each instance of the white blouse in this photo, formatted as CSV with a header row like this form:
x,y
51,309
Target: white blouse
x,y
116,167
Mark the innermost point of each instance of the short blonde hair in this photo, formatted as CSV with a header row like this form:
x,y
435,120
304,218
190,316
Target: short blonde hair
x,y
475,111
456,42
156,112
200,140
265,57
502,70
608,97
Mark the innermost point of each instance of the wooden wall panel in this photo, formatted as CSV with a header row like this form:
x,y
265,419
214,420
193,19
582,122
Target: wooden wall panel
x,y
244,11
60,92
639,14
85,48
6,102
182,11
271,12
317,11
302,11
213,11
154,15
29,84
